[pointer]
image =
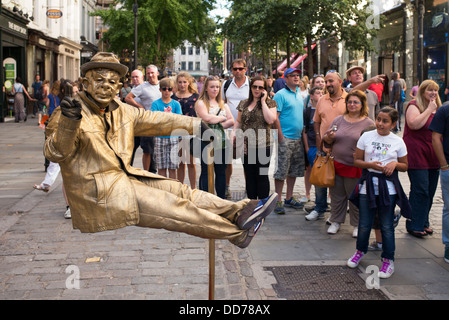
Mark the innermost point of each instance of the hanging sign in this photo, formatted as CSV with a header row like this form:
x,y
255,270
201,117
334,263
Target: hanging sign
x,y
54,13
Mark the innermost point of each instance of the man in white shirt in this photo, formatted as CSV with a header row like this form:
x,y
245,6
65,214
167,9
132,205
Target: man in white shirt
x,y
147,93
233,91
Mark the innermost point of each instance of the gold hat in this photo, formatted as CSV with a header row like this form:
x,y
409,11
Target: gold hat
x,y
106,60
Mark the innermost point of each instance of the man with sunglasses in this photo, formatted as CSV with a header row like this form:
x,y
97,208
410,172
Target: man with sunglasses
x,y
147,93
291,163
233,91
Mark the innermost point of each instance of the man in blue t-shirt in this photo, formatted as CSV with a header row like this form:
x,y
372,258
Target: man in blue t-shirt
x,y
290,107
440,142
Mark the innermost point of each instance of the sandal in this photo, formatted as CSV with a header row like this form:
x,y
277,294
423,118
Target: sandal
x,y
428,230
41,187
418,234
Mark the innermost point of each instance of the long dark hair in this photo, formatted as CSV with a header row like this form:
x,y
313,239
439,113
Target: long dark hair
x,y
251,97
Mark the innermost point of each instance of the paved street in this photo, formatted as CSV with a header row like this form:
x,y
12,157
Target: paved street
x,y
42,257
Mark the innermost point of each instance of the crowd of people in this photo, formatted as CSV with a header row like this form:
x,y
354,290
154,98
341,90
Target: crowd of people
x,y
296,118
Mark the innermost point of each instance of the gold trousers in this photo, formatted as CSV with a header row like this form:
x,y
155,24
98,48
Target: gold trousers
x,y
171,205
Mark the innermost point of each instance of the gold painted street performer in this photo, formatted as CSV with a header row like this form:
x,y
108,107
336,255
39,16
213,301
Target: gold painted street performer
x,y
92,136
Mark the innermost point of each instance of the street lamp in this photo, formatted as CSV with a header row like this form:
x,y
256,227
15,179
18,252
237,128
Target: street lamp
x,y
135,7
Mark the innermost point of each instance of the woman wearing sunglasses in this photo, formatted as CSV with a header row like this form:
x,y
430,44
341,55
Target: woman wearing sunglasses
x,y
211,108
253,127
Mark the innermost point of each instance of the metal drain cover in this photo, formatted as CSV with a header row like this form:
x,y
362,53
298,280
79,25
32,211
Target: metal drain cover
x,y
322,283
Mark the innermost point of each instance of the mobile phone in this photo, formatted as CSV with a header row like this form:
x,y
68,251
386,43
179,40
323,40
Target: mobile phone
x,y
334,127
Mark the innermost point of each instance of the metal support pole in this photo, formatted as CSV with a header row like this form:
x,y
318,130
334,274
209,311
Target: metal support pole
x,y
211,189
135,7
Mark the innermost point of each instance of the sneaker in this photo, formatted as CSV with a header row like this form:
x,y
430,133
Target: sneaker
x,y
68,214
446,254
314,215
375,246
293,203
355,232
251,234
279,208
387,268
355,259
333,229
249,217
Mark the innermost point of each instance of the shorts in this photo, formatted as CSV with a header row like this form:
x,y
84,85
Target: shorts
x,y
290,159
147,144
166,152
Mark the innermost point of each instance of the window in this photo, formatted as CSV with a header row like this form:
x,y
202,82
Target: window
x,y
183,65
183,50
190,50
190,65
198,51
197,65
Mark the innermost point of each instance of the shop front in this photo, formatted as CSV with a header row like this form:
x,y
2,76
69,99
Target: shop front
x,y
436,43
13,37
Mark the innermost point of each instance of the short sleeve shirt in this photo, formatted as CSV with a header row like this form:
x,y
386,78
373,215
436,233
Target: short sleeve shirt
x,y
440,125
172,107
384,149
327,111
290,106
147,93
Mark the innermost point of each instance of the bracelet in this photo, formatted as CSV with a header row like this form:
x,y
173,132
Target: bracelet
x,y
444,167
317,133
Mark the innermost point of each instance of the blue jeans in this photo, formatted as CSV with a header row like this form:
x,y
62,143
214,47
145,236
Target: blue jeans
x,y
366,220
219,170
423,184
445,191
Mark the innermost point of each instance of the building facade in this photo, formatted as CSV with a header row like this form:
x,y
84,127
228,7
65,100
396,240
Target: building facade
x,y
194,60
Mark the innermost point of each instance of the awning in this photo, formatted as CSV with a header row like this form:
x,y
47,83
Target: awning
x,y
298,60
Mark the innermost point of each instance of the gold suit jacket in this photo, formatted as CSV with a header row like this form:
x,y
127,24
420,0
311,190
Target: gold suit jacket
x,y
94,154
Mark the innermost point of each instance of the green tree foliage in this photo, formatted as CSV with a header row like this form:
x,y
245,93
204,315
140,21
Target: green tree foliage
x,y
260,23
162,26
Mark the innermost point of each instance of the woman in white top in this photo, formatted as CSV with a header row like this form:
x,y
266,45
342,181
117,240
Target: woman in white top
x,y
211,108
19,100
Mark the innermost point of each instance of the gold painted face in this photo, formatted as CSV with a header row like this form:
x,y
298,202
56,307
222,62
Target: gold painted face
x,y
102,85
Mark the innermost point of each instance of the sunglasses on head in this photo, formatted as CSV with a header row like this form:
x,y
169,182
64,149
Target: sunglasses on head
x,y
239,69
165,89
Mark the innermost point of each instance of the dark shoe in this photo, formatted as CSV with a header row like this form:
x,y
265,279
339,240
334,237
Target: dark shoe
x,y
428,230
251,233
264,207
417,234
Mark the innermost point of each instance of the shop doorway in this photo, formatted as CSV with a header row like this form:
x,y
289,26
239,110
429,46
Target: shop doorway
x,y
436,67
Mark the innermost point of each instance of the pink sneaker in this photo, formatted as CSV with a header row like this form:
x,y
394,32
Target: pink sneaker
x,y
355,259
387,268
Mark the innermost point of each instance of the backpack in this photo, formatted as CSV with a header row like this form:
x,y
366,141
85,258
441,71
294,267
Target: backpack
x,y
225,88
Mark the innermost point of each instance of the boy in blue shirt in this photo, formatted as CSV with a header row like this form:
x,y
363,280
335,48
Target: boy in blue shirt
x,y
166,148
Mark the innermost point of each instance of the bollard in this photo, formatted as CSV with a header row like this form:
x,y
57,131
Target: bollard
x,y
211,189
